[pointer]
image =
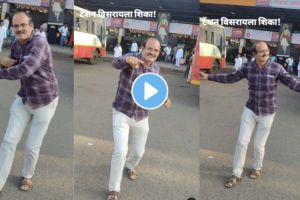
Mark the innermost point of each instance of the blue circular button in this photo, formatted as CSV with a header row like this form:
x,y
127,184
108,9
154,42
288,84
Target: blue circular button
x,y
149,91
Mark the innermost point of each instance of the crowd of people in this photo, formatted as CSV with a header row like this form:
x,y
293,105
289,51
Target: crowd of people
x,y
176,55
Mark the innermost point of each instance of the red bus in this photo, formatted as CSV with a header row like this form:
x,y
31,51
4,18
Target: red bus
x,y
210,51
89,37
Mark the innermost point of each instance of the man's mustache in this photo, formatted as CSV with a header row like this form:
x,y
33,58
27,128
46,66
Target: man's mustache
x,y
149,54
20,32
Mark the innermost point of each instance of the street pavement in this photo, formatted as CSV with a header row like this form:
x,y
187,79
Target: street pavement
x,y
53,177
221,106
169,169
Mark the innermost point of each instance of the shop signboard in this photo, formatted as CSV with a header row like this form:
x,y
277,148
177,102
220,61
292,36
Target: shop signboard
x,y
263,2
108,21
195,29
26,2
295,38
185,29
136,24
45,3
291,4
228,31
237,32
153,26
258,35
69,4
117,22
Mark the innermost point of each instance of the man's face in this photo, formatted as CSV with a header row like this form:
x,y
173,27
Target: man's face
x,y
262,52
22,27
151,51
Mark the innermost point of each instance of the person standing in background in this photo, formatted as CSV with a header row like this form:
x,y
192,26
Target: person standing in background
x,y
167,51
117,51
238,62
2,34
63,34
178,56
134,48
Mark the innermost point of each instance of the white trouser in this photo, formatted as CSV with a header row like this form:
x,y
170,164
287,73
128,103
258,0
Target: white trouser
x,y
249,123
122,125
177,62
20,116
298,73
1,43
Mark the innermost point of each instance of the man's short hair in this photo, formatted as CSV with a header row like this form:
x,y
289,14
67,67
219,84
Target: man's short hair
x,y
253,49
150,38
28,15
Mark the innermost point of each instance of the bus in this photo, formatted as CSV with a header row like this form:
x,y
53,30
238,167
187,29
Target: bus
x,y
89,35
210,51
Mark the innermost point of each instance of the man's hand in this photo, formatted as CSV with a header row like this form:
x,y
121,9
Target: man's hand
x,y
203,75
168,103
7,62
134,62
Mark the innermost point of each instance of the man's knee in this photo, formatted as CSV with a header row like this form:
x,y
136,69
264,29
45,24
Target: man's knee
x,y
120,153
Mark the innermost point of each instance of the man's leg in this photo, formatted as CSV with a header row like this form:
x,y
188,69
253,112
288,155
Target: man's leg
x,y
177,62
246,129
166,58
39,126
19,118
261,135
1,44
120,134
61,42
139,131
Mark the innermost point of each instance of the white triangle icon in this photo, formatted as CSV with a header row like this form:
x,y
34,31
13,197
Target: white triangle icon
x,y
149,91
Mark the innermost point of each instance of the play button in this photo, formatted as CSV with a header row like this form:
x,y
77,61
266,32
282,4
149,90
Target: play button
x,y
149,91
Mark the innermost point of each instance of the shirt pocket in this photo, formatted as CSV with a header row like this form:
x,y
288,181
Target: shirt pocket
x,y
271,81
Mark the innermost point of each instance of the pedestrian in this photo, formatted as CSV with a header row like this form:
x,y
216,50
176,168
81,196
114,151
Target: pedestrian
x,y
290,63
238,61
244,59
178,56
128,118
117,51
30,61
134,48
6,21
188,71
167,51
63,34
260,109
2,34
